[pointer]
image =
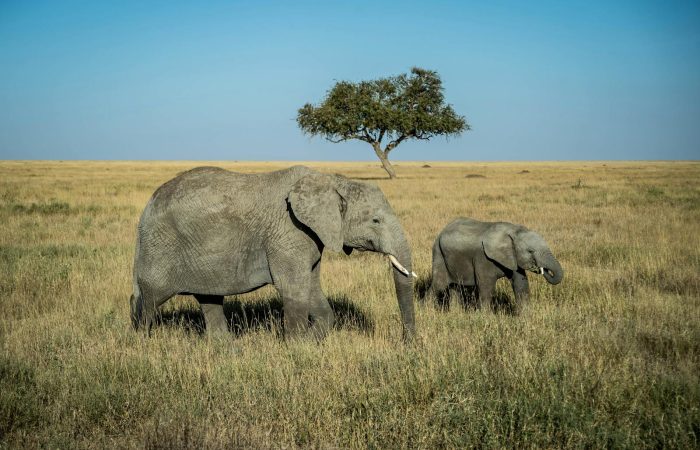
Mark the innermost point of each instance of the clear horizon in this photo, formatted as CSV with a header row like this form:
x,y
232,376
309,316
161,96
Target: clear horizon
x,y
222,81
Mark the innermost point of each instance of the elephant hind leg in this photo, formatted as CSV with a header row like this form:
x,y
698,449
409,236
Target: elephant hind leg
x,y
440,286
213,310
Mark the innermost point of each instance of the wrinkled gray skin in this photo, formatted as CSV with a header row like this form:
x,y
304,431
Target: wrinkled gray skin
x,y
470,253
210,232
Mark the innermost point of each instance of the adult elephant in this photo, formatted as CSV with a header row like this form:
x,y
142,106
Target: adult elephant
x,y
210,232
473,254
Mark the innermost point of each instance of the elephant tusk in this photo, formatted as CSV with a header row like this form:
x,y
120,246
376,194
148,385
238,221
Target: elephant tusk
x,y
401,268
541,270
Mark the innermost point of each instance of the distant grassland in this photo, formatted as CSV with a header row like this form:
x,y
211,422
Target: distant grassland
x,y
609,358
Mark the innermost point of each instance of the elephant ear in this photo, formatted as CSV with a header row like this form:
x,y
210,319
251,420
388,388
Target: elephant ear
x,y
499,246
317,204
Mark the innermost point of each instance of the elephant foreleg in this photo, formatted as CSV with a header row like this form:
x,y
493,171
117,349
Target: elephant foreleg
x,y
321,315
299,297
306,311
321,318
303,319
466,295
442,298
213,310
296,318
521,289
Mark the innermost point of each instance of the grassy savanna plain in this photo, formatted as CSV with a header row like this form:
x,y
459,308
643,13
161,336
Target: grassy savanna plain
x,y
608,358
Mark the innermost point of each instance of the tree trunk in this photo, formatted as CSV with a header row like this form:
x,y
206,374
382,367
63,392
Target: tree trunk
x,y
384,158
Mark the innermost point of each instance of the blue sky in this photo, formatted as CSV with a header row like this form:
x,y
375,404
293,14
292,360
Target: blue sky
x,y
540,80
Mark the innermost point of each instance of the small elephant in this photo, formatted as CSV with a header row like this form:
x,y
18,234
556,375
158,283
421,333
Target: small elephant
x,y
473,254
210,233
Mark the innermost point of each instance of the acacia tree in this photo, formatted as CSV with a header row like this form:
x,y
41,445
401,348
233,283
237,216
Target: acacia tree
x,y
387,110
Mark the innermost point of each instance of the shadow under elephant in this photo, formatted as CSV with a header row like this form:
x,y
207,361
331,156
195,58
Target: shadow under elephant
x,y
245,317
467,296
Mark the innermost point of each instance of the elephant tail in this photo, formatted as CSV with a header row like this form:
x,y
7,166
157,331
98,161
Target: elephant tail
x,y
439,268
136,303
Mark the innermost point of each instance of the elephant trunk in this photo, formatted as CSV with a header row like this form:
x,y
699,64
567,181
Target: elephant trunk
x,y
553,272
403,282
404,294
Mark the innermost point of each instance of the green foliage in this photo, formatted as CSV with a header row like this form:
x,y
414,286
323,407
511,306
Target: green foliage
x,y
55,207
654,191
407,106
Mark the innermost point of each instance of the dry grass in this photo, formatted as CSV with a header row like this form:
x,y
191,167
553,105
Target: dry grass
x,y
609,358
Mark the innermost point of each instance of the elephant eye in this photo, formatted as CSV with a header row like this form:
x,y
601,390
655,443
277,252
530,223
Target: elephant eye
x,y
376,219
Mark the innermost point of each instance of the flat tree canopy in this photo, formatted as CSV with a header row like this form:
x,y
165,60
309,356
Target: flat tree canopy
x,y
391,110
